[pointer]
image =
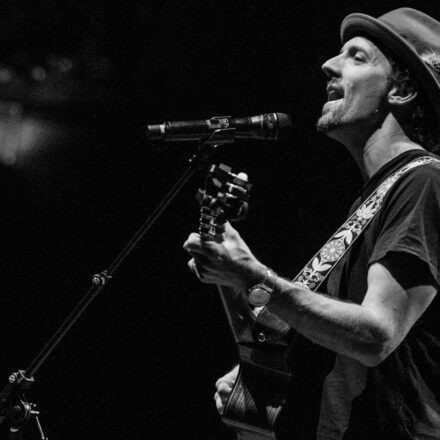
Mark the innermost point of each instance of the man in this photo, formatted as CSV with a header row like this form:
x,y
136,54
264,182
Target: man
x,y
379,313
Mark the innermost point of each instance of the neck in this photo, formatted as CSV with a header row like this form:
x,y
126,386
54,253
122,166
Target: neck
x,y
374,149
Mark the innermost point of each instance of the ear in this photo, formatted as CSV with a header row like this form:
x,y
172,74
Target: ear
x,y
402,94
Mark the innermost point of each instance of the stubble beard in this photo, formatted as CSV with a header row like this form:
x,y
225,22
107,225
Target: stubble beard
x,y
330,120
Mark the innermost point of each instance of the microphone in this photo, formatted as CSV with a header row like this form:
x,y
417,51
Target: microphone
x,y
270,126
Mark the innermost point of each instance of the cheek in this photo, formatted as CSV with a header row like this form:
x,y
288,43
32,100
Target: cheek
x,y
368,95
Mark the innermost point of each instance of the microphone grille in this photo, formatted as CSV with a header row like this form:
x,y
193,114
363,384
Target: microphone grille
x,y
284,120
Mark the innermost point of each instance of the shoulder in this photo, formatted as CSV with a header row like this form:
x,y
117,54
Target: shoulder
x,y
422,178
428,164
415,196
429,170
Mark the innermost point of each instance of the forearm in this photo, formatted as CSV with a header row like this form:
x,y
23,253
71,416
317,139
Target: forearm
x,y
346,328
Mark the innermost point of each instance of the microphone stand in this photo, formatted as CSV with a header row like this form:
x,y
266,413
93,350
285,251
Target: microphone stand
x,y
15,409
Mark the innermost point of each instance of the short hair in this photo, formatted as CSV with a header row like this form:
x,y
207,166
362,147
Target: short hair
x,y
423,123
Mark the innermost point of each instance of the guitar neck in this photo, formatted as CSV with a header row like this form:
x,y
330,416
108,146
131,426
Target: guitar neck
x,y
259,391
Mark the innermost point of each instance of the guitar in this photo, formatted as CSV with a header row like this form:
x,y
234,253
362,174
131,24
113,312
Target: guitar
x,y
268,401
260,390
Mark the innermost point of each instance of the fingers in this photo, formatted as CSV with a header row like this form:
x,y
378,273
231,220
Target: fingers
x,y
202,256
221,396
192,241
219,403
224,387
196,268
230,377
229,229
195,246
201,272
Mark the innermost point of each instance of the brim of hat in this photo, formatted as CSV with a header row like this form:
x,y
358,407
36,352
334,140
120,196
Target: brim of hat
x,y
362,24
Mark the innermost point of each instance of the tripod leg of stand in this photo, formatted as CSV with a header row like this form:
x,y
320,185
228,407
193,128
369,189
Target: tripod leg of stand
x,y
15,434
40,429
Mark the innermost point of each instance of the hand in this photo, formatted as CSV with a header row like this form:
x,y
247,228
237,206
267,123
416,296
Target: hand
x,y
229,262
224,387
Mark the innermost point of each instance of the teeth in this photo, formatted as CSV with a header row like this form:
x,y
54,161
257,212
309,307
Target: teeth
x,y
334,93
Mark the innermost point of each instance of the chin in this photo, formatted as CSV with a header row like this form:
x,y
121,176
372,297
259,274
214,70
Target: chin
x,y
327,124
331,117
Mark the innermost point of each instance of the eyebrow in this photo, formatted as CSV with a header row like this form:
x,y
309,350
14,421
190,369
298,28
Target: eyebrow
x,y
354,46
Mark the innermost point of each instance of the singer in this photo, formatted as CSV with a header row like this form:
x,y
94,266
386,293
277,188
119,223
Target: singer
x,y
377,313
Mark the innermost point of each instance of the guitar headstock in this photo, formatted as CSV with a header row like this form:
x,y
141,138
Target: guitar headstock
x,y
225,197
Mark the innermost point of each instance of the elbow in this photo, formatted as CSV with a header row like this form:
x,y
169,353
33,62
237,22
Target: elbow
x,y
377,349
374,358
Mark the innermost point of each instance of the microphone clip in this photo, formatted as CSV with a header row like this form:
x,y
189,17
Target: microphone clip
x,y
220,136
220,122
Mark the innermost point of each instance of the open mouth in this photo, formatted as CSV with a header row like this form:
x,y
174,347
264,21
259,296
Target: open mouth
x,y
334,94
335,97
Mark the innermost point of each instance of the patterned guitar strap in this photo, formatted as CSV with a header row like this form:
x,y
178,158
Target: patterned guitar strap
x,y
267,326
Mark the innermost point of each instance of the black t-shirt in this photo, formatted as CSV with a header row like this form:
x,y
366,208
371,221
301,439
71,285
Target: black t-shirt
x,y
400,398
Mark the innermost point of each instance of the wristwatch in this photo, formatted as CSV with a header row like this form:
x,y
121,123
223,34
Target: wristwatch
x,y
259,295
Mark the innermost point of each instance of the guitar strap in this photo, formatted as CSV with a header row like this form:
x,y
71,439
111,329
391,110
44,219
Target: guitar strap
x,y
267,326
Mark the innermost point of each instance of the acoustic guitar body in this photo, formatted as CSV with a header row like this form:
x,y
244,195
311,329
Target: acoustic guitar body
x,y
253,407
261,388
278,390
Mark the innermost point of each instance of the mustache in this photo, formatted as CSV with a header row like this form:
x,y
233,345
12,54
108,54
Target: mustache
x,y
334,85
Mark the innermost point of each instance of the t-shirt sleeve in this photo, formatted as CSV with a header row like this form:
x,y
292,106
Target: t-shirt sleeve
x,y
409,221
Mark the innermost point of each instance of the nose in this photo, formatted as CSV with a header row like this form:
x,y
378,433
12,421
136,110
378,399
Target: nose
x,y
332,67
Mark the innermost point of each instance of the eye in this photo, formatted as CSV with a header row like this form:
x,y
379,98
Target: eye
x,y
359,56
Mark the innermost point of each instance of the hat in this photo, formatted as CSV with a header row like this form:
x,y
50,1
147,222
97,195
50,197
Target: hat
x,y
412,37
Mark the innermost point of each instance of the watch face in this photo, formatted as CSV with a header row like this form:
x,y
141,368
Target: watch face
x,y
258,297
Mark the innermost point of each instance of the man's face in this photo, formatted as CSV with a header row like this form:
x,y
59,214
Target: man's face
x,y
358,82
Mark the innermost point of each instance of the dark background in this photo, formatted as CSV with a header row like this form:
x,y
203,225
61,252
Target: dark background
x,y
142,361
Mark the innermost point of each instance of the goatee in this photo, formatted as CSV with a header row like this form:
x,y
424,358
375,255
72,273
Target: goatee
x,y
329,120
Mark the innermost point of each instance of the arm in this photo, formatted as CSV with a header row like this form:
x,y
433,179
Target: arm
x,y
367,332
